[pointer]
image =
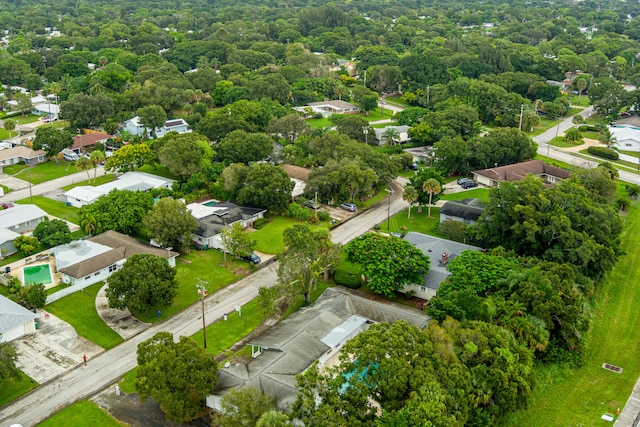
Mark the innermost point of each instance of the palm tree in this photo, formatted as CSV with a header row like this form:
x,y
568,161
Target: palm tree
x,y
431,186
84,164
96,158
582,85
9,125
409,194
89,224
273,418
391,135
606,137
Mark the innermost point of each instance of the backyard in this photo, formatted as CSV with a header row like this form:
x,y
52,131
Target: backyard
x,y
42,172
54,207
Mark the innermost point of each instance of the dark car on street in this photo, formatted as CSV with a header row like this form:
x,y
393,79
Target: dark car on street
x,y
252,258
351,207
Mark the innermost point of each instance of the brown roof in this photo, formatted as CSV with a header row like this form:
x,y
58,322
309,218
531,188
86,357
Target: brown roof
x,y
633,121
89,139
518,171
296,172
20,151
123,248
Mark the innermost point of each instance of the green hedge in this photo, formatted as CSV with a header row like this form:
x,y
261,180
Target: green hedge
x,y
350,280
604,152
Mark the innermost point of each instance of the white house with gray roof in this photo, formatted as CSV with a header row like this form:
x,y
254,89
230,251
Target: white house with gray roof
x,y
212,219
6,242
440,253
22,218
15,320
134,127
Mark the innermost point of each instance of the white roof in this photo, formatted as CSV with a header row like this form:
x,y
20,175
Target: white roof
x,y
20,214
7,235
12,314
38,99
625,133
48,108
199,211
78,251
345,330
132,181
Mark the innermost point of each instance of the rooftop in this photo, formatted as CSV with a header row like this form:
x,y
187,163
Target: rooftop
x,y
12,314
20,214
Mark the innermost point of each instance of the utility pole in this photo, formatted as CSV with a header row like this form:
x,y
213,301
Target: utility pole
x,y
30,194
521,112
202,291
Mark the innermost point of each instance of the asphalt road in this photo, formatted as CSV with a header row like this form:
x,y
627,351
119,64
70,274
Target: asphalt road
x,y
108,367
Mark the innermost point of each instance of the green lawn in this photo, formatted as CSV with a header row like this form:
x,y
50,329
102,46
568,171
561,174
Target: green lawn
x,y
11,389
630,153
5,188
27,118
79,310
82,414
206,265
99,181
4,134
581,396
157,170
41,173
581,101
269,238
55,208
545,124
397,101
418,222
561,143
223,334
319,123
478,193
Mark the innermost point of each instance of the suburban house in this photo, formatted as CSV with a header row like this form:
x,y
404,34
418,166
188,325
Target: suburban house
x,y
493,176
440,252
82,142
316,332
132,181
49,111
15,155
15,320
299,176
22,218
403,134
6,242
212,217
467,211
134,127
327,108
82,263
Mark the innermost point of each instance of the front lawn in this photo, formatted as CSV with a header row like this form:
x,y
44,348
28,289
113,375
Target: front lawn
x,y
42,172
319,123
4,134
79,310
82,414
104,179
269,238
206,265
55,208
481,193
582,395
419,222
11,389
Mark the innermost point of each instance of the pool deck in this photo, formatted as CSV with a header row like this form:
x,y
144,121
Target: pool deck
x,y
18,266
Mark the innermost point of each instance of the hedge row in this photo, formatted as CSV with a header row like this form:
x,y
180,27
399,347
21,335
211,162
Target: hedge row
x,y
604,152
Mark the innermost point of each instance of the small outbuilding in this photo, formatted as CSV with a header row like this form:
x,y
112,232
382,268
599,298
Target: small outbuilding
x,y
15,320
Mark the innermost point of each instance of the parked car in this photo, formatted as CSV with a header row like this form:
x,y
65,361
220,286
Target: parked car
x,y
461,180
414,167
396,234
469,184
252,258
311,204
351,207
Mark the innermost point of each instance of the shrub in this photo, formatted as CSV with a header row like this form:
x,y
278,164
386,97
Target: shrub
x,y
258,224
324,215
604,152
350,280
298,212
582,128
454,230
632,190
623,203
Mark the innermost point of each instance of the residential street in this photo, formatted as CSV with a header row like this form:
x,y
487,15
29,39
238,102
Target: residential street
x,y
547,150
104,369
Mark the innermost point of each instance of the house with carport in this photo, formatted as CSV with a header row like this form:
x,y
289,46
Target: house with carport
x,y
440,253
15,320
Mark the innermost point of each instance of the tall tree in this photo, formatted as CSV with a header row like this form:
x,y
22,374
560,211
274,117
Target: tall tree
x,y
53,141
388,263
243,407
267,187
242,147
8,358
120,210
144,283
84,164
170,223
53,233
130,157
152,117
185,154
177,375
410,195
237,240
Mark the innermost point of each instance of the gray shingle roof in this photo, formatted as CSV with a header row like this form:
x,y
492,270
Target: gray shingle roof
x,y
470,209
212,224
12,314
434,248
19,214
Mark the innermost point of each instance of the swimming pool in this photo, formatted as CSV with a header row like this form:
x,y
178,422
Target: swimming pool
x,y
210,203
40,273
